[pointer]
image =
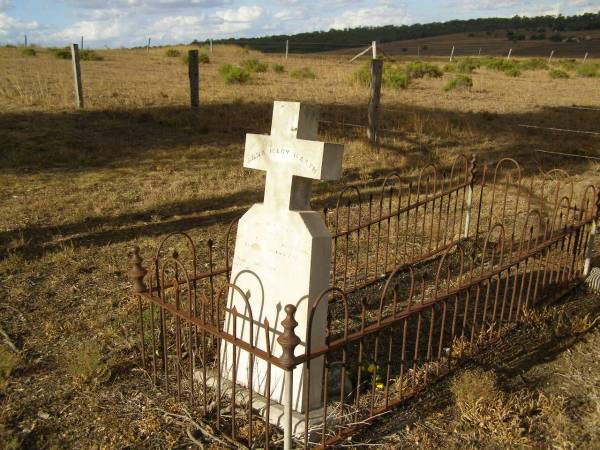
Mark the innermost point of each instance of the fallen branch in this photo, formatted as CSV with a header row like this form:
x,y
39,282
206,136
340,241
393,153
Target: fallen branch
x,y
205,428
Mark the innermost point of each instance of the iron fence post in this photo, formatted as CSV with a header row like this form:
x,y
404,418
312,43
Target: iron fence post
x,y
288,341
469,205
590,244
137,273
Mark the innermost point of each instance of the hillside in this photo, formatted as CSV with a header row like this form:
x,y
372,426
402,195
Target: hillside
x,y
530,36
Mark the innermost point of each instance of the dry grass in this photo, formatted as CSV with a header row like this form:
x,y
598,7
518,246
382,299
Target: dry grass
x,y
552,404
77,188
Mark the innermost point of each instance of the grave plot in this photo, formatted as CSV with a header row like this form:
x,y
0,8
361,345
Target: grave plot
x,y
412,278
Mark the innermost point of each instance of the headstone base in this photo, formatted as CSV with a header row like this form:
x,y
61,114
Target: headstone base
x,y
259,403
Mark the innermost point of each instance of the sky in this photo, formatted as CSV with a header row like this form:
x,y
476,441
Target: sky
x,y
116,23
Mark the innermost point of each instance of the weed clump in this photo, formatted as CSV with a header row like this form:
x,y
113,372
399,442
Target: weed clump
x,y
303,73
568,64
532,64
28,51
420,69
278,68
254,66
202,59
86,364
467,65
172,53
84,55
558,73
459,82
89,55
8,363
396,77
233,75
588,70
60,53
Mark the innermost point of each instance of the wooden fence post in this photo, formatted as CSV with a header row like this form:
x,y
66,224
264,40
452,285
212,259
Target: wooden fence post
x,y
210,47
287,48
374,48
194,79
509,53
25,41
77,75
551,55
585,57
148,46
452,53
373,112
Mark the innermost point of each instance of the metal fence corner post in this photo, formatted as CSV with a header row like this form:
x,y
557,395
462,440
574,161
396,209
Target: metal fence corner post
x,y
288,341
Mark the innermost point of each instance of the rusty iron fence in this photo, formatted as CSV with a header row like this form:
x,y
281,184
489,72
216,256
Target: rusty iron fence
x,y
423,276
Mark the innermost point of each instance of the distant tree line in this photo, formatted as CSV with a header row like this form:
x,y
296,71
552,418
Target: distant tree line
x,y
334,39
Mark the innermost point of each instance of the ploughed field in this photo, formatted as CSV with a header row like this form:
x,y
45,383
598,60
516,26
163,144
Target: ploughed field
x,y
79,188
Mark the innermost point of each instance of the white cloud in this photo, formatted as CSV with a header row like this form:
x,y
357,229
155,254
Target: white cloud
x,y
381,13
4,4
10,27
474,5
544,10
91,30
585,6
296,14
241,14
148,4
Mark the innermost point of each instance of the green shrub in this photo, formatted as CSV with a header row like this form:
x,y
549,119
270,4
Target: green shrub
x,y
61,53
396,77
202,59
450,68
558,73
533,64
28,51
513,72
89,55
459,82
233,75
172,53
363,75
304,73
510,68
420,69
589,70
467,65
278,68
568,64
253,65
10,46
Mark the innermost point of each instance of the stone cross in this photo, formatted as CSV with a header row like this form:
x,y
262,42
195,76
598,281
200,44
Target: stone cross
x,y
292,157
283,249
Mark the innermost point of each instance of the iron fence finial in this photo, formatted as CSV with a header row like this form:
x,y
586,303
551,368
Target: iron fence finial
x,y
472,168
137,273
288,339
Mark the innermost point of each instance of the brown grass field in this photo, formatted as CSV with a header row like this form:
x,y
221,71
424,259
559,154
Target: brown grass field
x,y
78,188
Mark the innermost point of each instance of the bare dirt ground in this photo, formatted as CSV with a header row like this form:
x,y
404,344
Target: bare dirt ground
x,y
78,188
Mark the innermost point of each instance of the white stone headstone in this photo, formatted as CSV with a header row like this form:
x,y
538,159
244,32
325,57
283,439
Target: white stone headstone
x,y
283,249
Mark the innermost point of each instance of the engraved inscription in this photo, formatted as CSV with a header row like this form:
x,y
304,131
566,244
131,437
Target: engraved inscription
x,y
282,154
